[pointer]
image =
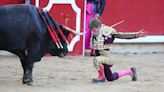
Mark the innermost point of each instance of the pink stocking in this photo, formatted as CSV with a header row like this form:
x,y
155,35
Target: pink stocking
x,y
125,72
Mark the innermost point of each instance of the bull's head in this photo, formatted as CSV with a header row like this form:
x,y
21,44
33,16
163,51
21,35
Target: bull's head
x,y
66,31
60,50
59,35
62,32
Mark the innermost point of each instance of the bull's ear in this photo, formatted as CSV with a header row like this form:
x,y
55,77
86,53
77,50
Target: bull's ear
x,y
72,31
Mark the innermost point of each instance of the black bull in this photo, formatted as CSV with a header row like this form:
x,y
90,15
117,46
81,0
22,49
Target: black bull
x,y
24,33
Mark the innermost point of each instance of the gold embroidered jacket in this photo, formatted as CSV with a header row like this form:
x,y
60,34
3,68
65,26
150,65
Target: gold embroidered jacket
x,y
107,35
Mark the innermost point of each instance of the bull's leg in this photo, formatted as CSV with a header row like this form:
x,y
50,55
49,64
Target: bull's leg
x,y
32,56
27,71
23,60
28,76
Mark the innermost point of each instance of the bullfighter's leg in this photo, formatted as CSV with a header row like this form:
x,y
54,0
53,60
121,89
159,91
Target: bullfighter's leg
x,y
108,73
114,76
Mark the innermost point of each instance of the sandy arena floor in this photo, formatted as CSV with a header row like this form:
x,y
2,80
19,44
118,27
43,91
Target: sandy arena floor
x,y
74,74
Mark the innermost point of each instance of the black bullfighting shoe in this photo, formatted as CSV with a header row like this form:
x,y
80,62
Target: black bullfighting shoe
x,y
99,81
134,77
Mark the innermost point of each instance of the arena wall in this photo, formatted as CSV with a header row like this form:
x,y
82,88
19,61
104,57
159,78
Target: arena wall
x,y
146,14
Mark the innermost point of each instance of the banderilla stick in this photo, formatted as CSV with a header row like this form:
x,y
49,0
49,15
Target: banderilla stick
x,y
117,23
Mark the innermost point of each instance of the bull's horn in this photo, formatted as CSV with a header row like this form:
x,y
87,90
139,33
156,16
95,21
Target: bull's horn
x,y
73,31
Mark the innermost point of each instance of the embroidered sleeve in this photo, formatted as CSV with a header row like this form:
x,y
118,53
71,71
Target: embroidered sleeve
x,y
126,35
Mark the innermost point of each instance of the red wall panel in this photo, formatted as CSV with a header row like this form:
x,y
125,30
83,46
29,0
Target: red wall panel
x,y
65,14
146,14
5,2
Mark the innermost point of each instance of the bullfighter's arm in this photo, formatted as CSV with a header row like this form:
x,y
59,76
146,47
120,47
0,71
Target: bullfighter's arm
x,y
128,35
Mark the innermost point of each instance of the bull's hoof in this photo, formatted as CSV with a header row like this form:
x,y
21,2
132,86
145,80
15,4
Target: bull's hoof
x,y
27,81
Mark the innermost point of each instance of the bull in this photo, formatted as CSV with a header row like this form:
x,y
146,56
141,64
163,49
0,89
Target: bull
x,y
24,32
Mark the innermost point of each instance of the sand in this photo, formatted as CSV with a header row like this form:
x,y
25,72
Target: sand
x,y
75,73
